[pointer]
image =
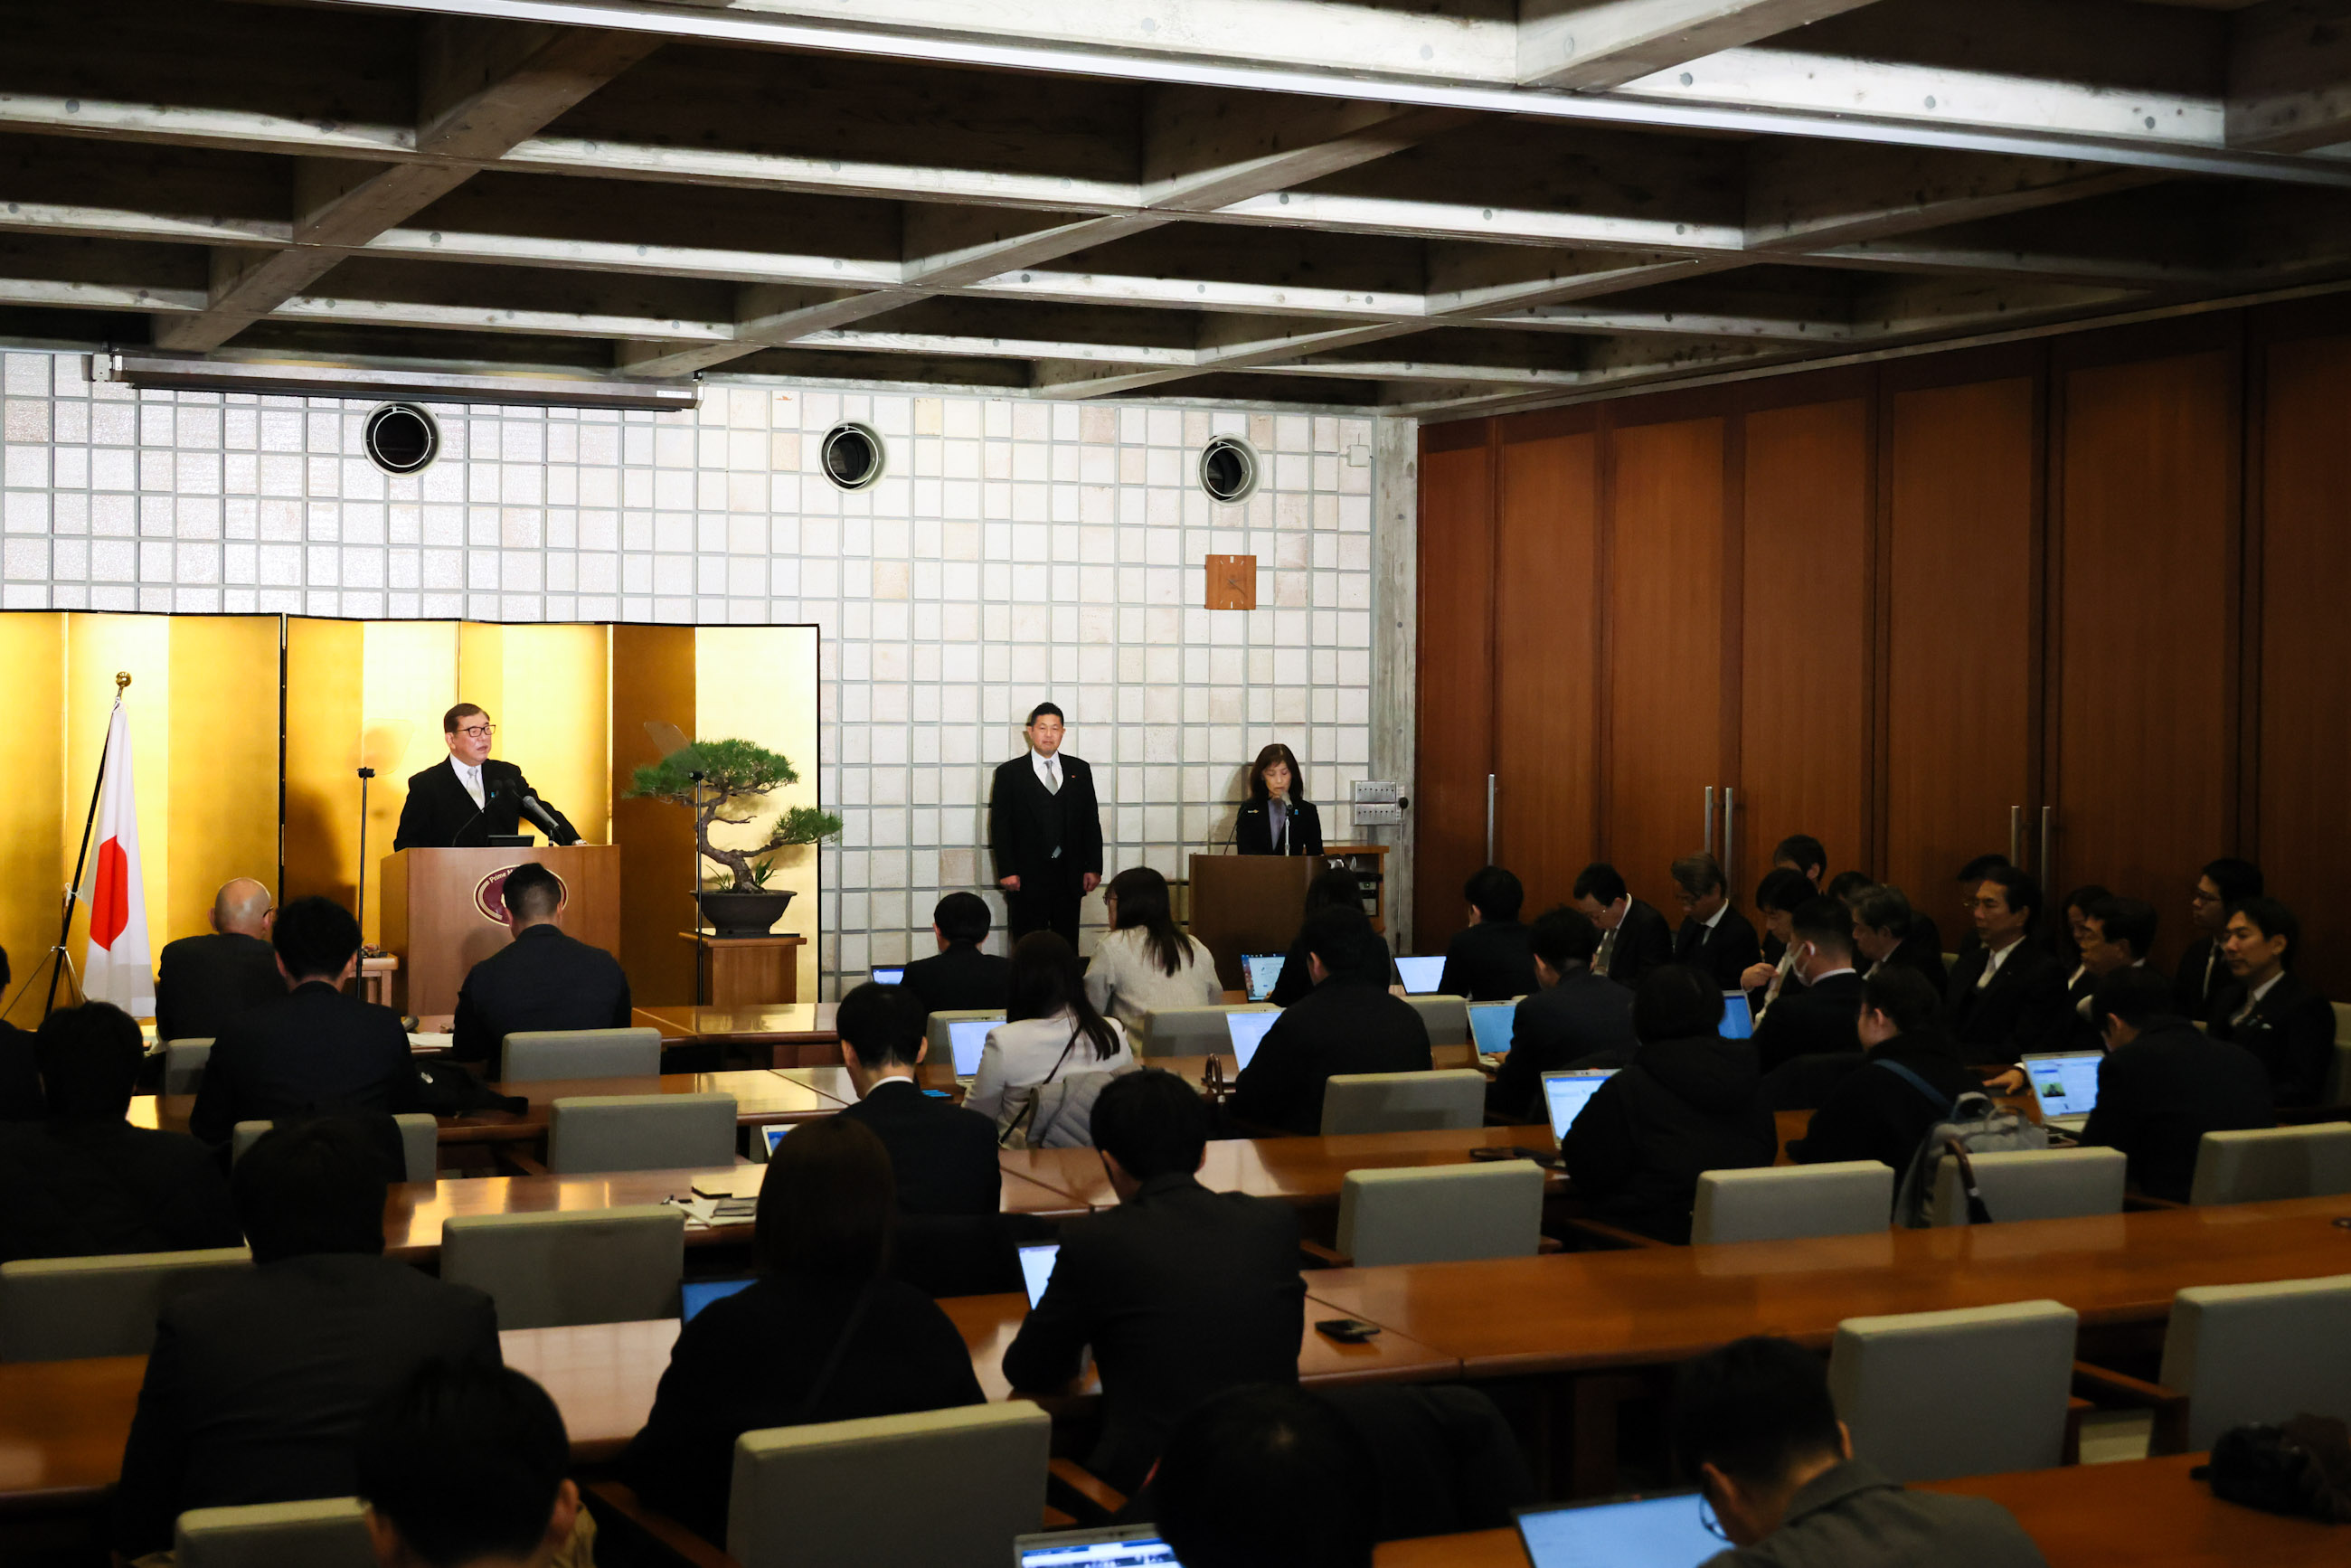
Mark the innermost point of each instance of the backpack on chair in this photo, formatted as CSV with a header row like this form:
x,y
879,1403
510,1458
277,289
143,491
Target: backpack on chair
x,y
1056,1113
1977,1126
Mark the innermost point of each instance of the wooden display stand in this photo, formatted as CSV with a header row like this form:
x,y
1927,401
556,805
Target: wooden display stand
x,y
744,971
1248,903
437,920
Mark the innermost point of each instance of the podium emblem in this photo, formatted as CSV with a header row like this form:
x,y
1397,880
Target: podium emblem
x,y
489,895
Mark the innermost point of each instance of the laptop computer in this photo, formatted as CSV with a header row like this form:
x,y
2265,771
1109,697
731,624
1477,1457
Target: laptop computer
x,y
1247,1029
696,1294
890,977
1489,1026
773,1133
1737,1022
966,1037
2067,1082
1037,1268
1260,972
1665,1531
1421,977
1134,1546
1566,1092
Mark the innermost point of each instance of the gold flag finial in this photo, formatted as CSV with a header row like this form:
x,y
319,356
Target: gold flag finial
x,y
122,679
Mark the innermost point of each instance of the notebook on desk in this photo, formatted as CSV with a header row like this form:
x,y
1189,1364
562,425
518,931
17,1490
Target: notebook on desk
x,y
1134,1546
1247,1031
1037,1268
1566,1092
1665,1532
2067,1082
1421,975
1489,1026
1260,972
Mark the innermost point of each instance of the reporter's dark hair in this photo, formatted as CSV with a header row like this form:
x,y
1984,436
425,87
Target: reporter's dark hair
x,y
465,1461
1046,982
1883,908
1267,1474
881,1024
2138,997
2133,921
2272,918
1343,939
1754,1409
1563,935
1825,923
1804,851
1496,893
309,1187
531,891
1151,1122
963,918
1335,888
2237,880
1600,882
1784,890
2019,888
1848,885
1698,875
829,1204
89,1059
1975,868
315,936
1907,998
1676,1001
1141,894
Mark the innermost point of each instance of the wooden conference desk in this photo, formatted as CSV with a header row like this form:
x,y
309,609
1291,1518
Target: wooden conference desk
x,y
785,1034
1304,1171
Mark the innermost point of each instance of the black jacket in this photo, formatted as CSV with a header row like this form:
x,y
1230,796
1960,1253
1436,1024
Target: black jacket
x,y
257,1386
1644,942
750,1361
1253,830
2023,1008
81,1189
1921,953
544,978
1297,976
1810,1020
317,1051
959,978
1582,1018
2202,976
2158,1095
1342,1025
1183,1293
203,984
2292,1029
1682,1108
21,1099
1489,962
1875,1114
944,1156
1727,951
440,815
1026,822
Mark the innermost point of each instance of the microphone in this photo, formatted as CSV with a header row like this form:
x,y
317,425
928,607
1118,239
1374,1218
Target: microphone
x,y
490,793
549,821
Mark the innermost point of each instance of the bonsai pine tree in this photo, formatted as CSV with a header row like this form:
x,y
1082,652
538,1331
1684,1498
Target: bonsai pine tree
x,y
737,775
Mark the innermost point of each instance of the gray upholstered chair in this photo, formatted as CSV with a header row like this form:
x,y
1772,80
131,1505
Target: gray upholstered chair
x,y
1404,1102
419,1143
533,1056
591,1132
2337,1090
570,1266
184,1064
64,1309
2267,1163
2034,1184
1786,1203
1191,1031
803,1496
1441,1214
1974,1392
1447,1018
2259,1353
327,1533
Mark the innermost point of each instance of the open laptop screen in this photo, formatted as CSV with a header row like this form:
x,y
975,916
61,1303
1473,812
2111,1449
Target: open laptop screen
x,y
2067,1083
1136,1546
1037,1268
1421,977
1247,1031
774,1133
1489,1026
1566,1093
1738,1023
696,1294
1262,972
1634,1533
890,977
966,1037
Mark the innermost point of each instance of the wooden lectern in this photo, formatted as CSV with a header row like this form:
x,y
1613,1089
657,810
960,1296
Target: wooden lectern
x,y
442,914
1248,903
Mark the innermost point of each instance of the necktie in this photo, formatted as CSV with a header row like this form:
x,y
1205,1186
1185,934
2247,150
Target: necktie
x,y
1607,949
1053,777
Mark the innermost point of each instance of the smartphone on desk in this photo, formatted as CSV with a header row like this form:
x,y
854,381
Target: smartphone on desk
x,y
1347,1330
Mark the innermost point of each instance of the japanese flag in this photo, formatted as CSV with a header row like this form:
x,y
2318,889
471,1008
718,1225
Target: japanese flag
x,y
120,967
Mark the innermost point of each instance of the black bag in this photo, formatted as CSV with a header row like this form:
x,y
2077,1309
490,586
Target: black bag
x,y
448,1090
2302,1468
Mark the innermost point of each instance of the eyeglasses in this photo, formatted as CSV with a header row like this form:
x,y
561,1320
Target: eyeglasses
x,y
479,731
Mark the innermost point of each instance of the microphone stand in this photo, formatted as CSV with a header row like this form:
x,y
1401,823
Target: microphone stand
x,y
365,774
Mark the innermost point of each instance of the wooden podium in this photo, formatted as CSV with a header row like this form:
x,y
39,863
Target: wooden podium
x,y
1248,903
442,914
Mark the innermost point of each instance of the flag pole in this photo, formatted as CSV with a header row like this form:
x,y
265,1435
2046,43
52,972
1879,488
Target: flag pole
x,y
73,890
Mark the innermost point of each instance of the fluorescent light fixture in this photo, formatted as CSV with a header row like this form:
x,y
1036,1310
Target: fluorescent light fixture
x,y
310,379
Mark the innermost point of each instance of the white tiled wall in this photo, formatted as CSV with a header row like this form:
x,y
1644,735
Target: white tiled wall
x,y
1014,552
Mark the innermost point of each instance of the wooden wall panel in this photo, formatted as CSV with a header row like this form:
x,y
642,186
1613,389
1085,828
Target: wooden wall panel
x,y
2302,841
1961,482
2144,726
1803,710
1665,647
1545,602
1457,692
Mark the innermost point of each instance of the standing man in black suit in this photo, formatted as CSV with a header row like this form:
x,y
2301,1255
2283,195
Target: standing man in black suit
x,y
1634,938
1044,831
543,979
1713,937
2203,971
2280,1019
2006,995
1577,1020
944,1157
471,798
203,984
1818,1013
959,978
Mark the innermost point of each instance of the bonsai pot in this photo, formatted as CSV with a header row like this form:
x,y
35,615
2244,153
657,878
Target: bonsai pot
x,y
748,913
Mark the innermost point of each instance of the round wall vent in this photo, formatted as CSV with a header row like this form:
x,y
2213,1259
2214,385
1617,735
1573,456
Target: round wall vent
x,y
1229,469
851,455
401,438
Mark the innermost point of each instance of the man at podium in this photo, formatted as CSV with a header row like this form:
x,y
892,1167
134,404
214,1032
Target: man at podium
x,y
470,798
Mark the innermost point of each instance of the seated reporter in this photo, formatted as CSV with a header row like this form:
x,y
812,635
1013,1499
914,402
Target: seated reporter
x,y
1277,818
942,1154
467,1467
1577,1019
1052,1029
1145,963
543,979
1489,960
2270,1012
1347,1024
203,984
1814,1015
1908,1079
1890,933
959,978
2165,1084
1336,888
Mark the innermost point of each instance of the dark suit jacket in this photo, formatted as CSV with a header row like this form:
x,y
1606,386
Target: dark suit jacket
x,y
1875,1114
1684,1107
1026,822
544,978
2292,1029
944,1156
1183,1293
1726,952
1297,975
1489,962
1921,952
21,1099
1584,1015
317,1051
2022,1009
440,815
203,984
1253,830
81,1189
747,1362
960,978
2158,1095
1644,942
1810,1020
1342,1025
256,1387
2202,977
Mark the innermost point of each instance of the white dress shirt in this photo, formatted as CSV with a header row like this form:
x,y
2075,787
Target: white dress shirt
x,y
469,774
1992,964
2253,998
